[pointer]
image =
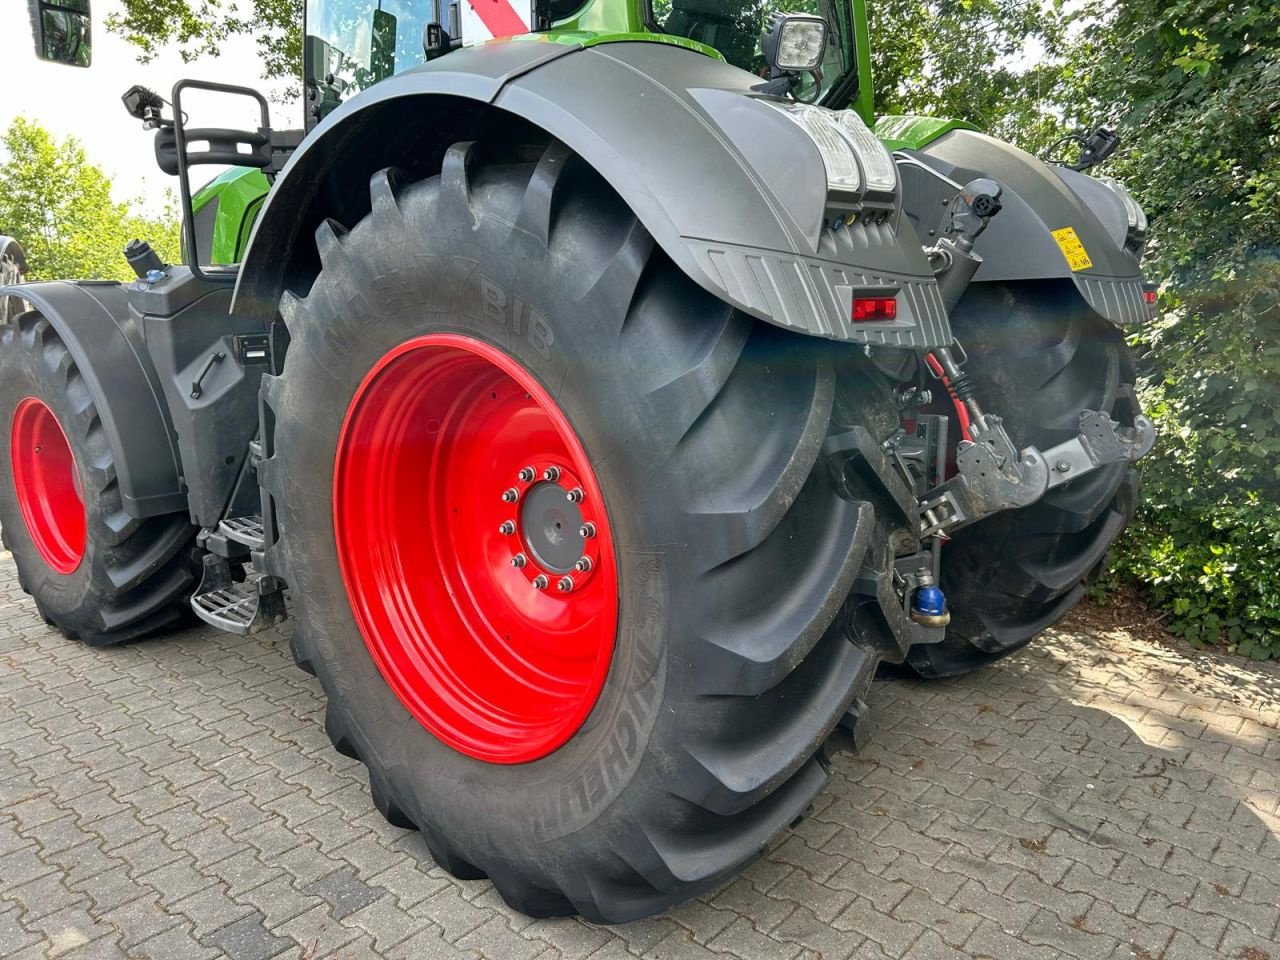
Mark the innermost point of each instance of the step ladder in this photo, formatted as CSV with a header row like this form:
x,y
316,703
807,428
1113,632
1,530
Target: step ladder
x,y
237,606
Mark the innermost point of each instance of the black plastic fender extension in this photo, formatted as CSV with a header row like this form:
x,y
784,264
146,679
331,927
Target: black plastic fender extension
x,y
730,188
93,320
1041,201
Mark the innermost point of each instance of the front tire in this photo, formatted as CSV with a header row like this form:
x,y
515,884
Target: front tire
x,y
699,429
95,572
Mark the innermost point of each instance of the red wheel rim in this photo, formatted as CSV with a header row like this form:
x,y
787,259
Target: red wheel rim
x,y
47,485
457,484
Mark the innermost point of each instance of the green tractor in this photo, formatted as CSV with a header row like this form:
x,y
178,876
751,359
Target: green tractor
x,y
610,392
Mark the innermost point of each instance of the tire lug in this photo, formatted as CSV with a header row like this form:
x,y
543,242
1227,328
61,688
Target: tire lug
x,y
507,528
510,495
574,495
583,565
565,584
551,473
526,474
587,530
519,560
540,582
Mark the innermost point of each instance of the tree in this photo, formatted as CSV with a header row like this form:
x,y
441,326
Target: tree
x,y
59,207
1195,89
199,27
995,63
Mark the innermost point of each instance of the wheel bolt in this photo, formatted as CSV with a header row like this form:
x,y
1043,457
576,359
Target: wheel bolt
x,y
565,584
574,495
583,564
507,528
540,582
519,560
526,474
587,530
551,473
510,495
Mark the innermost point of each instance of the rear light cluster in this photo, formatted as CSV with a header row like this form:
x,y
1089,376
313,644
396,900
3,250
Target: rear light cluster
x,y
874,309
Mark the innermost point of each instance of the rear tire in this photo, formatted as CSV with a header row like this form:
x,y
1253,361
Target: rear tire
x,y
1039,356
95,572
732,662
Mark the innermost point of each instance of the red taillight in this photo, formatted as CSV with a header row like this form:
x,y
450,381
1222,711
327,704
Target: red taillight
x,y
1149,296
870,309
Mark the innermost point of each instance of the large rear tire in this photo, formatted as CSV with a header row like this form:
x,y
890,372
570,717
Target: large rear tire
x,y
708,664
95,572
1039,356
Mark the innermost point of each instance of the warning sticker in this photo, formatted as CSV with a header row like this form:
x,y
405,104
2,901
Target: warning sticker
x,y
1072,249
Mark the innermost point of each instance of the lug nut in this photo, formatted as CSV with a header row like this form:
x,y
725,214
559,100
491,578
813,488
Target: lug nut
x,y
583,564
565,584
574,495
551,473
587,530
510,495
526,474
540,582
519,560
507,528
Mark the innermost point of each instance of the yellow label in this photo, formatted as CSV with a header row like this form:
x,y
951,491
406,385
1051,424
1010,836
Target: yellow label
x,y
1072,249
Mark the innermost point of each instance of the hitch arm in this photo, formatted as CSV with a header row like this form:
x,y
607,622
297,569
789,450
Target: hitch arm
x,y
992,476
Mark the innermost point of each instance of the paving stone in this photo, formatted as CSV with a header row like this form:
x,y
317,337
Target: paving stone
x,y
344,892
1090,797
247,939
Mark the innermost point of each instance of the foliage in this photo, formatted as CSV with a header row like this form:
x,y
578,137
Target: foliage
x,y
59,208
995,63
200,27
1195,89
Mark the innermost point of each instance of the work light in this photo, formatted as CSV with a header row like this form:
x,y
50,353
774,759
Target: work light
x,y
795,43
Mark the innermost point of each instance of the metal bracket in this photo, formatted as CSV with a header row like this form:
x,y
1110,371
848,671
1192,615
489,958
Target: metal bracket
x,y
1101,441
992,476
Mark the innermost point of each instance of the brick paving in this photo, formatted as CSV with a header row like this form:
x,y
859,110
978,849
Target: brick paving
x,y
1096,797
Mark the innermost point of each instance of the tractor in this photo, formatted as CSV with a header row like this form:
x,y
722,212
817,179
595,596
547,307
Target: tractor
x,y
609,392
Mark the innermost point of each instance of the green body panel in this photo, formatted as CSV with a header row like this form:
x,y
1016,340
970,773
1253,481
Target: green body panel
x,y
912,133
239,193
864,101
588,38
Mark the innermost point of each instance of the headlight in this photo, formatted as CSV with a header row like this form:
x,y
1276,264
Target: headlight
x,y
877,166
1136,215
856,161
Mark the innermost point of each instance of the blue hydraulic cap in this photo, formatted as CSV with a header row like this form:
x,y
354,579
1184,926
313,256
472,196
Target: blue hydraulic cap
x,y
929,602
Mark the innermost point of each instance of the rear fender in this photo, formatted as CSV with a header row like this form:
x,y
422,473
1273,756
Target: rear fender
x,y
92,318
1039,199
732,190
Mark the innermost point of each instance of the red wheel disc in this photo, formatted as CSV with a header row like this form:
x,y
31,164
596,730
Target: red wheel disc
x,y
475,548
47,485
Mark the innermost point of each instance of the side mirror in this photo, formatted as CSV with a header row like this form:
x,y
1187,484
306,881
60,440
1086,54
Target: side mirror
x,y
63,31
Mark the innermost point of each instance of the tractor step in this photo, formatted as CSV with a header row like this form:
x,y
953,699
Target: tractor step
x,y
245,530
237,607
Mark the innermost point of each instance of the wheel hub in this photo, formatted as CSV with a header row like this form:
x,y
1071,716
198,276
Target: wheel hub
x,y
553,536
475,548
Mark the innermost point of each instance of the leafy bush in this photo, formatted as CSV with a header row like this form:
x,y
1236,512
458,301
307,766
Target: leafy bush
x,y
1194,87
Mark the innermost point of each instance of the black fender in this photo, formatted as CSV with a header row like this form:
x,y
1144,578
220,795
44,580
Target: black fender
x,y
732,190
93,319
1039,198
